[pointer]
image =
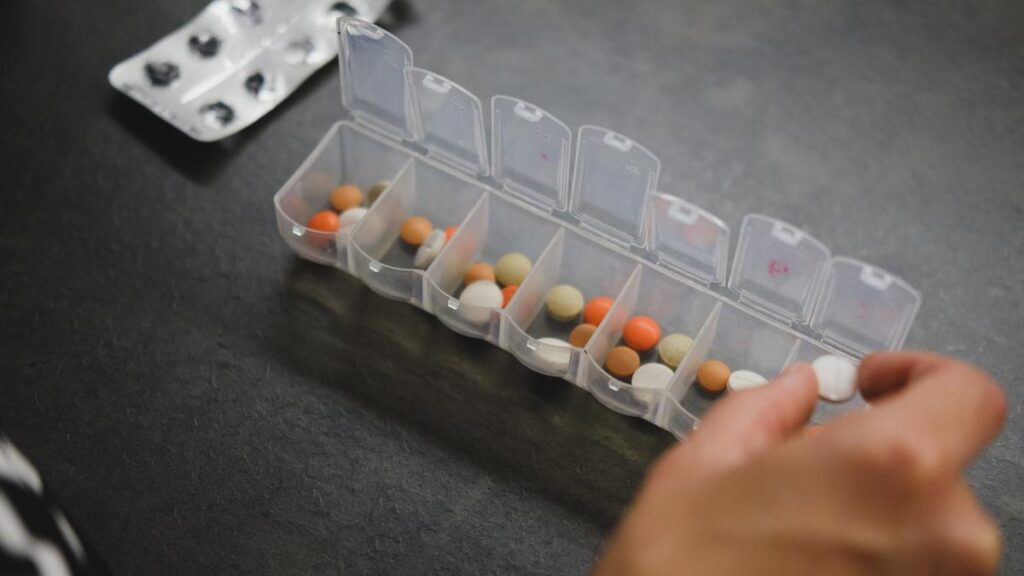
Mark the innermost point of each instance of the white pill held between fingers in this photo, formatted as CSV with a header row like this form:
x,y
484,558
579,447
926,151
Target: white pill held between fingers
x,y
745,380
837,377
429,250
351,217
555,354
477,301
652,375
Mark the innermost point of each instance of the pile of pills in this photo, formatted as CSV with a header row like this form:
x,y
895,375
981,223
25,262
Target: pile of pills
x,y
346,207
488,287
643,335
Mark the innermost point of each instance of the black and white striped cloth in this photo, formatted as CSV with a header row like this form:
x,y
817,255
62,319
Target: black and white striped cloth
x,y
36,538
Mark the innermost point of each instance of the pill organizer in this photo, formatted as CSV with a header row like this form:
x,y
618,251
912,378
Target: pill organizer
x,y
596,221
235,61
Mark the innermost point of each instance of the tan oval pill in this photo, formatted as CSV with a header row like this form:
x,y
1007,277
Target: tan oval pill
x,y
478,271
581,334
564,302
622,361
713,375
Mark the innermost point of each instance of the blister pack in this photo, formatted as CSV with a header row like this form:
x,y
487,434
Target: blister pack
x,y
235,61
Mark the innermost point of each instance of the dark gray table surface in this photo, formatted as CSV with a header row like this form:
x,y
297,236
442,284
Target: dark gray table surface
x,y
203,402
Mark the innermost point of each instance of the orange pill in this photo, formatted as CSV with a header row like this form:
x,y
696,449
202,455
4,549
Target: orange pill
x,y
581,334
449,232
596,309
641,333
713,375
507,293
622,362
324,221
346,196
478,271
415,230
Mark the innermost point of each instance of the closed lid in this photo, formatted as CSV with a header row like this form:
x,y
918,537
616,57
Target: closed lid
x,y
688,238
373,87
778,267
864,308
612,181
530,149
448,120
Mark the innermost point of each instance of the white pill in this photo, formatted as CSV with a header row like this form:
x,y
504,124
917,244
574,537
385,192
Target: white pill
x,y
351,217
477,301
429,249
837,377
652,375
745,380
554,354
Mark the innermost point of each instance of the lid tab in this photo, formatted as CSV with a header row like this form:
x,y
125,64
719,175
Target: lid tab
x,y
613,178
448,120
778,267
530,152
688,238
373,63
864,308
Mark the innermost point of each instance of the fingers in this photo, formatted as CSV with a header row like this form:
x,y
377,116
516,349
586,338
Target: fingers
x,y
886,372
936,417
746,423
963,534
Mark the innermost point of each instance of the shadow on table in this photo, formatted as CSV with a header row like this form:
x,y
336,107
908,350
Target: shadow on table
x,y
475,398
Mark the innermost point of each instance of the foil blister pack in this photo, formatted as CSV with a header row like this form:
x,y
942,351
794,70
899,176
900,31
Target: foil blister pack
x,y
235,61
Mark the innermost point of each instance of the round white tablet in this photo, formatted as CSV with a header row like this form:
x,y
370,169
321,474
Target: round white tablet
x,y
555,354
351,217
429,249
745,380
652,375
837,377
477,300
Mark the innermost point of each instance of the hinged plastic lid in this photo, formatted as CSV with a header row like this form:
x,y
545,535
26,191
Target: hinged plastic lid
x,y
778,267
864,308
613,178
530,149
689,238
373,63
448,120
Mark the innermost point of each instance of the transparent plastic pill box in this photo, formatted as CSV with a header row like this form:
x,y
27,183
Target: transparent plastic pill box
x,y
595,220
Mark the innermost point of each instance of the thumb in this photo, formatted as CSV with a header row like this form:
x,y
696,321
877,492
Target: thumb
x,y
745,424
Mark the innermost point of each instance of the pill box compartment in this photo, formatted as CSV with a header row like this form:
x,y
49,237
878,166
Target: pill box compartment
x,y
573,259
377,254
494,228
677,306
599,225
348,154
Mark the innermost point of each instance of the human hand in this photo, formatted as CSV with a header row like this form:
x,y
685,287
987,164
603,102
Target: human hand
x,y
877,492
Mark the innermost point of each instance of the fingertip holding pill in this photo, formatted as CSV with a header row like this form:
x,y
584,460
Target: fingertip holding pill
x,y
652,375
564,302
713,375
581,334
745,380
673,348
415,230
512,268
641,333
622,362
345,197
428,250
478,271
596,309
837,377
477,301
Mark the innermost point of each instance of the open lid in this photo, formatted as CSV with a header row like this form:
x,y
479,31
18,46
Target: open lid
x,y
613,178
448,120
530,149
373,63
864,308
778,267
688,238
